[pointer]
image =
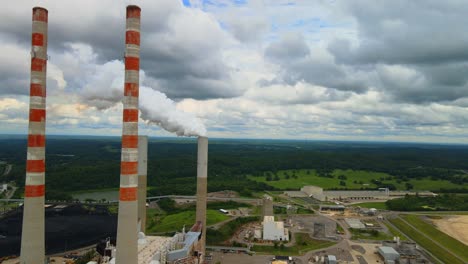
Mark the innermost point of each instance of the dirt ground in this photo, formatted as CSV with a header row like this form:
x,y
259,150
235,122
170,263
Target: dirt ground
x,y
234,258
454,226
369,250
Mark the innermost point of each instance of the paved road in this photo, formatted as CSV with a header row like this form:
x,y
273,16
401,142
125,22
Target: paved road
x,y
218,225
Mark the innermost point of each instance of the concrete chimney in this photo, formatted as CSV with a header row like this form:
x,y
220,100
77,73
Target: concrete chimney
x,y
33,233
202,175
142,180
127,226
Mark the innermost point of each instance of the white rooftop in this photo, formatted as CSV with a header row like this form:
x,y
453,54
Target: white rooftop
x,y
153,245
355,223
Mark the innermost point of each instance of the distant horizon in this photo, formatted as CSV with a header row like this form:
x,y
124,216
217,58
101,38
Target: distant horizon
x,y
3,135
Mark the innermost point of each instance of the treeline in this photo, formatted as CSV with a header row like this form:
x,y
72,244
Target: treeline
x,y
444,202
81,164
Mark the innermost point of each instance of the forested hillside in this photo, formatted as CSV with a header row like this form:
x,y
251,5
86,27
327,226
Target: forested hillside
x,y
93,163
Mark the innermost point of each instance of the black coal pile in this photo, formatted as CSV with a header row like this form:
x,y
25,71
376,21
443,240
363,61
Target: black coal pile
x,y
68,227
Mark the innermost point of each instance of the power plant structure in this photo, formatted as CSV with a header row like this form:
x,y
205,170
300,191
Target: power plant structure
x,y
33,234
132,246
202,183
127,248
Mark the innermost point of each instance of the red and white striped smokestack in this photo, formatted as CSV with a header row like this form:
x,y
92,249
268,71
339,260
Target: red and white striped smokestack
x,y
202,181
127,246
33,234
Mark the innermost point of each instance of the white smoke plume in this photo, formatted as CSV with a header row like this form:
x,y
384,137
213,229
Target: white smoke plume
x,y
156,108
105,89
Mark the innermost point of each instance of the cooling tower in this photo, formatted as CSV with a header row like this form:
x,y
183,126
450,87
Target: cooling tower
x,y
142,180
202,169
33,233
127,226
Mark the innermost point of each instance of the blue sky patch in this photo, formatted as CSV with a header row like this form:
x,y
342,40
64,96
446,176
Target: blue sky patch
x,y
186,3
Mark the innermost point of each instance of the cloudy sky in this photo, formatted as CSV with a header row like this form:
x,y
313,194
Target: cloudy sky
x,y
342,70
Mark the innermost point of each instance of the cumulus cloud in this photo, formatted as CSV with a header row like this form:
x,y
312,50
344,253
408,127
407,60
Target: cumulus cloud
x,y
326,70
298,63
399,32
180,46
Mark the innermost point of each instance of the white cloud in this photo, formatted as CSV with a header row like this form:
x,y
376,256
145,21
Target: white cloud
x,y
262,69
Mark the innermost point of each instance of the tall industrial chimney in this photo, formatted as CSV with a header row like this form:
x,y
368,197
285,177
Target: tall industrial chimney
x,y
142,180
127,226
33,234
202,169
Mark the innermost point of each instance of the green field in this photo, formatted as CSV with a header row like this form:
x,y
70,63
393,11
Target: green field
x,y
354,180
175,222
304,244
444,213
376,205
452,244
425,242
395,232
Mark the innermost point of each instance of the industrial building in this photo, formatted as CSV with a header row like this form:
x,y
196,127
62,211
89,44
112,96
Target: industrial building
x,y
331,259
389,254
354,223
383,194
274,230
184,247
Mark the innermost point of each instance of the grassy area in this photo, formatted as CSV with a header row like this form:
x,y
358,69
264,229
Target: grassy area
x,y
7,206
444,213
113,209
175,222
395,232
425,242
354,180
304,244
376,205
227,205
369,234
339,229
304,211
449,242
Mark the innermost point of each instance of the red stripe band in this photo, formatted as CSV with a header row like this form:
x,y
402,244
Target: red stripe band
x,y
37,90
129,141
129,167
133,11
132,64
34,190
36,141
128,194
38,64
35,166
37,39
39,14
37,115
132,37
130,115
131,89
